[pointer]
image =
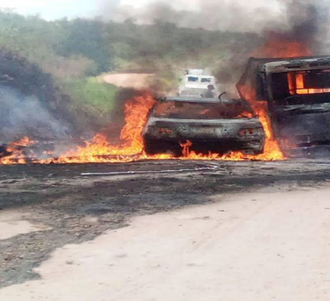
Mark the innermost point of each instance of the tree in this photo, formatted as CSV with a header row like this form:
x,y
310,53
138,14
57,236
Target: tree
x,y
86,37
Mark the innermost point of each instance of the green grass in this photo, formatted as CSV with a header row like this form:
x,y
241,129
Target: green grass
x,y
95,98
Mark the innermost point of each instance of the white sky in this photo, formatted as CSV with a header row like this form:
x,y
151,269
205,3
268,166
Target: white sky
x,y
53,9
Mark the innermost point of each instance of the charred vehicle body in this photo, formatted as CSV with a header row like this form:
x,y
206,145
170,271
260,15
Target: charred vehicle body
x,y
298,95
210,124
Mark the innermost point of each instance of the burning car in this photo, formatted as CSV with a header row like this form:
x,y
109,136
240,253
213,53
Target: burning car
x,y
215,125
297,91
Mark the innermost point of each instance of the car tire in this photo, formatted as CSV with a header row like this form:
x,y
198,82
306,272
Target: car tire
x,y
150,147
156,147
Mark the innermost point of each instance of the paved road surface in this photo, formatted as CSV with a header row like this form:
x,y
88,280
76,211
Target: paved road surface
x,y
269,245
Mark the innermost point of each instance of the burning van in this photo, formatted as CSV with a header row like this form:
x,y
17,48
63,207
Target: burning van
x,y
297,93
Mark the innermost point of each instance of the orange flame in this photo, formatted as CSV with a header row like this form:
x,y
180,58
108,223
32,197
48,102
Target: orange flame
x,y
297,85
131,149
99,150
282,46
15,152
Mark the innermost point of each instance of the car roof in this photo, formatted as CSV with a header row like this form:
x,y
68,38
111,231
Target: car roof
x,y
190,99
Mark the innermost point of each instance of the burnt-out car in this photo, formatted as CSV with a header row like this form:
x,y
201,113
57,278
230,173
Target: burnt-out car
x,y
297,91
210,124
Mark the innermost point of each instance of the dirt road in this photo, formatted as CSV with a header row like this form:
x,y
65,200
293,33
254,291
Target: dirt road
x,y
129,80
260,246
261,233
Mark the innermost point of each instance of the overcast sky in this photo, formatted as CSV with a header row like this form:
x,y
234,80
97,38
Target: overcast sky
x,y
54,9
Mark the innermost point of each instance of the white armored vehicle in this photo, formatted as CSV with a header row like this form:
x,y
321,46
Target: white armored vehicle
x,y
196,82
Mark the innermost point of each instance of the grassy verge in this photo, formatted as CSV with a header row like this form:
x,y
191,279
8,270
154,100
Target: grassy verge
x,y
90,100
96,97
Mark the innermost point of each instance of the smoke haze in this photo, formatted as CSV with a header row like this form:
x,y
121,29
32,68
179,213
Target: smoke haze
x,y
304,19
22,115
206,14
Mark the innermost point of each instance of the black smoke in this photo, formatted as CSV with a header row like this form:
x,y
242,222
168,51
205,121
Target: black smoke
x,y
308,21
301,30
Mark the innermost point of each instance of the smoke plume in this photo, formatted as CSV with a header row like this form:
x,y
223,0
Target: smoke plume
x,y
235,16
22,115
307,32
300,17
303,32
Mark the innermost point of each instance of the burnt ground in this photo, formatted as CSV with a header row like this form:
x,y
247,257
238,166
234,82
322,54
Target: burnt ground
x,y
78,208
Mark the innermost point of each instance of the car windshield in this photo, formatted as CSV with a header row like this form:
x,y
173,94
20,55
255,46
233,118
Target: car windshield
x,y
190,110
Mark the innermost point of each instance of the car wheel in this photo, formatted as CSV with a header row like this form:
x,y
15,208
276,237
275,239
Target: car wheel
x,y
155,147
151,147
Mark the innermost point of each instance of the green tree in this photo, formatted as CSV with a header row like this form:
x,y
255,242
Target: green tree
x,y
86,37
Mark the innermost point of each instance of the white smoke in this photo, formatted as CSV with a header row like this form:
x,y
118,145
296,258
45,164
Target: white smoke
x,y
22,115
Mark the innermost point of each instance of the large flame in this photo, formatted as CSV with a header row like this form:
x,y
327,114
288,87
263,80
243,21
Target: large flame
x,y
99,150
15,152
131,148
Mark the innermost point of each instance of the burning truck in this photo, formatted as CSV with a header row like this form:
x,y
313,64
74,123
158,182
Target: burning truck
x,y
297,93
